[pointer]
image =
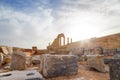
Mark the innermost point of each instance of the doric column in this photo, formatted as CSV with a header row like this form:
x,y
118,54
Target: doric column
x,y
63,40
71,40
68,40
59,41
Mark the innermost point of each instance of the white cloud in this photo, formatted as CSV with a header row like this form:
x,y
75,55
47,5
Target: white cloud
x,y
99,16
26,28
76,18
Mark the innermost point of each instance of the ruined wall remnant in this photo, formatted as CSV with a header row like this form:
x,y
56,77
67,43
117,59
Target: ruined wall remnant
x,y
102,45
58,65
114,68
117,54
18,61
34,50
98,50
59,43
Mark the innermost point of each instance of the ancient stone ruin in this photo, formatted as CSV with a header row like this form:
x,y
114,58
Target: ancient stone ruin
x,y
58,65
21,75
93,59
114,69
97,63
18,61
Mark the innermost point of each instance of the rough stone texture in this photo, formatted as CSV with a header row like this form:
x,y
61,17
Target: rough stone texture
x,y
18,61
105,52
34,50
58,65
86,51
98,50
116,56
118,49
79,55
97,63
10,49
36,59
109,52
114,68
112,52
106,60
5,51
21,75
106,42
1,59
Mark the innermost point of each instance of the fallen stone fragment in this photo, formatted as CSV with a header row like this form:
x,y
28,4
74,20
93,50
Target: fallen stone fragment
x,y
118,49
58,65
97,63
98,50
5,50
1,58
18,61
21,75
36,59
106,60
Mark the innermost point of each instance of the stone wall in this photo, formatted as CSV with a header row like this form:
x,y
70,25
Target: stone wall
x,y
106,42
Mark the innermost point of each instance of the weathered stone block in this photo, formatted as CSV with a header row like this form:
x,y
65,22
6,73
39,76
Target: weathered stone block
x,y
111,51
18,61
58,65
114,69
118,49
97,63
36,59
106,60
116,56
105,52
1,59
5,51
98,50
21,75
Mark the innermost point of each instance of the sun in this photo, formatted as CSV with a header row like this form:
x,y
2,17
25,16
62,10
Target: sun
x,y
81,33
84,26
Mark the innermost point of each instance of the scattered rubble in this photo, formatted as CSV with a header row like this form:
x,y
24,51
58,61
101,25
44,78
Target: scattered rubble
x,y
63,66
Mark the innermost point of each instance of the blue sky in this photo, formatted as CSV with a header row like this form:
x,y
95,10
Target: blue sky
x,y
27,23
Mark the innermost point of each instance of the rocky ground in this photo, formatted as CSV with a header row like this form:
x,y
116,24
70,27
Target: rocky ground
x,y
84,73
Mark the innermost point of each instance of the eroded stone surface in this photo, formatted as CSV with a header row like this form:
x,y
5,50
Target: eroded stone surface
x,y
58,65
98,50
36,59
114,68
1,57
5,51
21,75
97,63
18,61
